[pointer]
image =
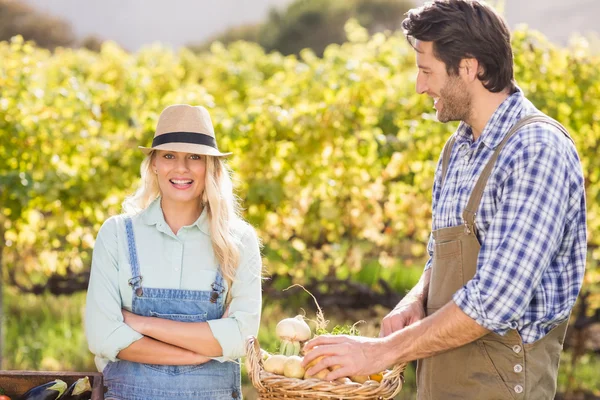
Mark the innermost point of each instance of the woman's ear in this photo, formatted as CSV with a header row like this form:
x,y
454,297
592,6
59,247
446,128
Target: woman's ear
x,y
153,164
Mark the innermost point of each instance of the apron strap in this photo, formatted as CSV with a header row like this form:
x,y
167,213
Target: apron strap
x,y
470,210
136,281
446,154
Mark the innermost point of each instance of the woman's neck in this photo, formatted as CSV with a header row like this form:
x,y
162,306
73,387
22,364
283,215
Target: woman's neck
x,y
178,215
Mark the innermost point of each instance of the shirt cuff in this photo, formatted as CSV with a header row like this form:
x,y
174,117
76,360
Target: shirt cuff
x,y
468,300
120,339
227,333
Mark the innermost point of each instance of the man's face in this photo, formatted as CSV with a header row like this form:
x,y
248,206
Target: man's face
x,y
452,100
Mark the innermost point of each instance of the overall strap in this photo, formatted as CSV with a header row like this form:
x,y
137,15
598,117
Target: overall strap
x,y
218,287
473,204
446,153
136,281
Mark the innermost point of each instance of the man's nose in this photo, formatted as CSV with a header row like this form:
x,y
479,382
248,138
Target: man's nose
x,y
422,87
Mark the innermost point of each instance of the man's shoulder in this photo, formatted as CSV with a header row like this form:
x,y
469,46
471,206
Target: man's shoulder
x,y
541,130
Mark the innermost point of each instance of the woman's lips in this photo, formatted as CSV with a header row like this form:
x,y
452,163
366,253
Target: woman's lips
x,y
181,183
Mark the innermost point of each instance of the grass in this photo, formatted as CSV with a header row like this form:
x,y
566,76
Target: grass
x,y
45,332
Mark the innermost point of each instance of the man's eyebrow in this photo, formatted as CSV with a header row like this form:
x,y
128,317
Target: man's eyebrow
x,y
423,67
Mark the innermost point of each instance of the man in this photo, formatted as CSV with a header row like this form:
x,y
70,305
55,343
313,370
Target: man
x,y
507,252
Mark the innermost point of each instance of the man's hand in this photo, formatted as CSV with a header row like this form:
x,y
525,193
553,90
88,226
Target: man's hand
x,y
403,315
351,355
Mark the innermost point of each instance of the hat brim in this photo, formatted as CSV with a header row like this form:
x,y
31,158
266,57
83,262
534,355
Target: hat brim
x,y
186,148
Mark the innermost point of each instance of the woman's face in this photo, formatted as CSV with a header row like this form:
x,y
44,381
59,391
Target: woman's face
x,y
180,175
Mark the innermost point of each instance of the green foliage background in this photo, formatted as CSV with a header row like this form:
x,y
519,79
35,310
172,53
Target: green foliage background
x,y
334,156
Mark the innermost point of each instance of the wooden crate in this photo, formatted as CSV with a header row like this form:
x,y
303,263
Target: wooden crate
x,y
16,383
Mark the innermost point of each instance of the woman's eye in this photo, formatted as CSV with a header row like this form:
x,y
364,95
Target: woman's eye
x,y
196,157
168,156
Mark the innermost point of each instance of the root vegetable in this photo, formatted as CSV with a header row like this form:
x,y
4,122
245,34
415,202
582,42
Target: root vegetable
x,y
360,378
264,354
377,377
343,379
292,368
371,382
274,364
322,374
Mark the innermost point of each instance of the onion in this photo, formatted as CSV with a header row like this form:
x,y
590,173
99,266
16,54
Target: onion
x,y
291,332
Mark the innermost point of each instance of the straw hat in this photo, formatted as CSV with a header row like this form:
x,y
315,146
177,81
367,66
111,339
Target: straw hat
x,y
186,129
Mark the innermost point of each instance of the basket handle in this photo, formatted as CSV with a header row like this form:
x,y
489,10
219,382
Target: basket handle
x,y
396,372
254,361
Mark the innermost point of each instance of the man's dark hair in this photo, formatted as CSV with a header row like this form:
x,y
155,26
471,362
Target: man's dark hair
x,y
465,29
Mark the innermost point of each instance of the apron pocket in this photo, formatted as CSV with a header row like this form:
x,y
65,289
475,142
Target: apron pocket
x,y
494,373
446,273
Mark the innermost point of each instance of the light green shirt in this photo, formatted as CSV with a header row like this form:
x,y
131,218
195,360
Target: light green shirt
x,y
182,261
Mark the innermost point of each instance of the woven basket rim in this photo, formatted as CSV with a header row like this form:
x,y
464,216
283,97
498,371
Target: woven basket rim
x,y
274,386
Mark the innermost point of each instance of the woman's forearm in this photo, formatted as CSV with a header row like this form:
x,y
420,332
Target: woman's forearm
x,y
151,351
196,337
193,336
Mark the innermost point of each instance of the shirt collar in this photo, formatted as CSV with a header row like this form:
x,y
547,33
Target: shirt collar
x,y
505,116
153,215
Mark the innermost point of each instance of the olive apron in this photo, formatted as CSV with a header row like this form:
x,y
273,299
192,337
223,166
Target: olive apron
x,y
492,367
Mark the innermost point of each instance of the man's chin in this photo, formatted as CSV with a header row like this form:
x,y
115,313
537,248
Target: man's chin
x,y
443,118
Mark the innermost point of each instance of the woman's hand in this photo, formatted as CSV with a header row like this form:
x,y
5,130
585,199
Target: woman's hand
x,y
136,322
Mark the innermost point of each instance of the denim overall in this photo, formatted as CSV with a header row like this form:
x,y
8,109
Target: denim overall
x,y
213,380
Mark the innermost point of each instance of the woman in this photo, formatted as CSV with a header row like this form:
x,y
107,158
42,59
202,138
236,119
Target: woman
x,y
175,286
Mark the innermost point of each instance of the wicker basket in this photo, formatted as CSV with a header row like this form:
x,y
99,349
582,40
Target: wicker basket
x,y
276,387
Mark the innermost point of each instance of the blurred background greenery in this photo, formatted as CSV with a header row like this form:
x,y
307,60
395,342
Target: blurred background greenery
x,y
334,159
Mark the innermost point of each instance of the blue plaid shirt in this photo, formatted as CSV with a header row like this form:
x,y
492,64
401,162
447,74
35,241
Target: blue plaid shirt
x,y
531,222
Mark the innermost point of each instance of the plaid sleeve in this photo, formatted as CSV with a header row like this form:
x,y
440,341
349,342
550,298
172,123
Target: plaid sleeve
x,y
524,236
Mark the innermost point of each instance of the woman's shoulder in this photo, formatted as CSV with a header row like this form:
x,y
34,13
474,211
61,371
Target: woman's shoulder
x,y
245,233
115,223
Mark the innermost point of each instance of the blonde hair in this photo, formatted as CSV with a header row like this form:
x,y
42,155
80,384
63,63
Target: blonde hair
x,y
221,205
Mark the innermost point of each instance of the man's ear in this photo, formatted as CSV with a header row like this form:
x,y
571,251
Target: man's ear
x,y
471,68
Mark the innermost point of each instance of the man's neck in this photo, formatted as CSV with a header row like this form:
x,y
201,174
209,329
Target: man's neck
x,y
484,106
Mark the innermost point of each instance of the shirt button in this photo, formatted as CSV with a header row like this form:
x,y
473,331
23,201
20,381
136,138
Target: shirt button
x,y
234,395
518,368
518,389
517,348
177,269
